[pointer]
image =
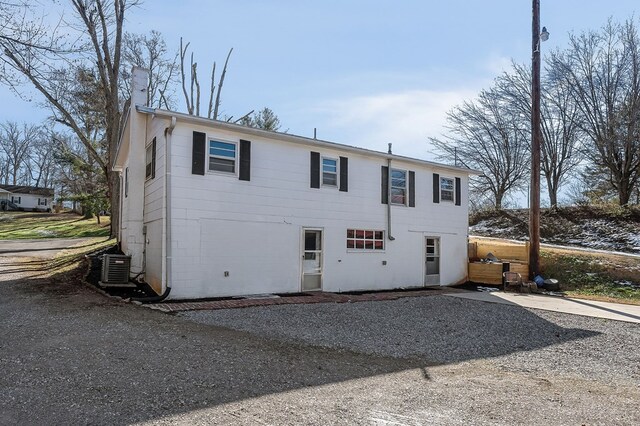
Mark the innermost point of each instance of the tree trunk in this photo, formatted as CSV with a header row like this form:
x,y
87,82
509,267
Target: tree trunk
x,y
499,197
552,188
113,195
624,194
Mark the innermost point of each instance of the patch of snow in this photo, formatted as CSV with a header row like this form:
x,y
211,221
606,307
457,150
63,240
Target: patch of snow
x,y
626,283
487,289
47,233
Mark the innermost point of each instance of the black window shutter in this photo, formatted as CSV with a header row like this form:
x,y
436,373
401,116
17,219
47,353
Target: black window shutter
x,y
458,192
153,159
245,160
197,156
315,169
436,188
412,189
385,185
344,174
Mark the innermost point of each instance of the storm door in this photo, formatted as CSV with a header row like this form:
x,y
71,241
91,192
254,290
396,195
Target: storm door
x,y
312,260
432,261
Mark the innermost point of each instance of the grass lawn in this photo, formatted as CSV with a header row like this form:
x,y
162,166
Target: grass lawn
x,y
582,274
597,276
23,225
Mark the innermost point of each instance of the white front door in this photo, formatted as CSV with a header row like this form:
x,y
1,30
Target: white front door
x,y
432,261
312,260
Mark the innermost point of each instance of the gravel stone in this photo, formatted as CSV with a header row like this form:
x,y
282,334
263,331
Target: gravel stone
x,y
69,355
444,330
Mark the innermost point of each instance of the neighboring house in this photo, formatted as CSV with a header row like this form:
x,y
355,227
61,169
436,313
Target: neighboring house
x,y
213,209
28,198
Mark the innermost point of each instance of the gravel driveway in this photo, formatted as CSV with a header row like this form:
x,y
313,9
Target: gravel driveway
x,y
446,330
69,355
42,248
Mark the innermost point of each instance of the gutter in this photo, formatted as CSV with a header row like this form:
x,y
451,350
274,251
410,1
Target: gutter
x,y
286,137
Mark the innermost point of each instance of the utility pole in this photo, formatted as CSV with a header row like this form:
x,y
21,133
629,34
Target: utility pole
x,y
534,206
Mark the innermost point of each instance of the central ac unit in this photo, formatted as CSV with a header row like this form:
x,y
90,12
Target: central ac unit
x,y
115,271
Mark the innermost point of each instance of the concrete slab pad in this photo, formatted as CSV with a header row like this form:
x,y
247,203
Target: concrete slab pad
x,y
590,308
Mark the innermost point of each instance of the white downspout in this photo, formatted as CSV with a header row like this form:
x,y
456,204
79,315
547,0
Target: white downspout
x,y
391,238
167,198
120,208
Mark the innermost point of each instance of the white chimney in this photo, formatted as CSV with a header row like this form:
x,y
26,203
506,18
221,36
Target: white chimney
x,y
139,86
133,210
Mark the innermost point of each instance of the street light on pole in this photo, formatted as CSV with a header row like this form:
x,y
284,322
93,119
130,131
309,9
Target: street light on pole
x,y
536,136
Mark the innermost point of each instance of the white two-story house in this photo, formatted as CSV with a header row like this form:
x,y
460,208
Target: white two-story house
x,y
214,209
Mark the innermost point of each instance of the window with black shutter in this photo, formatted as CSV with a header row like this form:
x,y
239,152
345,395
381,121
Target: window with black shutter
x,y
150,168
314,170
245,160
198,153
344,174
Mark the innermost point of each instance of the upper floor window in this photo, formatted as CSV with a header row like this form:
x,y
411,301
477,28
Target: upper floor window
x,y
398,186
222,156
446,189
150,169
329,171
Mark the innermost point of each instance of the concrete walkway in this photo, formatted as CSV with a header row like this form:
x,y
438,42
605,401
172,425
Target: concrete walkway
x,y
590,308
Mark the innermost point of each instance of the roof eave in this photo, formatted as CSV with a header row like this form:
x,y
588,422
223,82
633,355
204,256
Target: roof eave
x,y
223,125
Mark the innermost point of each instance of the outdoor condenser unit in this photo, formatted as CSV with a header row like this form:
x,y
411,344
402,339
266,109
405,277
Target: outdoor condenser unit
x,y
115,271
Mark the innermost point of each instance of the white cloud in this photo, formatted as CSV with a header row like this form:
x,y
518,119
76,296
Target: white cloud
x,y
405,118
497,64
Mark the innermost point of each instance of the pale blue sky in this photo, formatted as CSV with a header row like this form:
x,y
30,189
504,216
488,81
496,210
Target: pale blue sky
x,y
364,73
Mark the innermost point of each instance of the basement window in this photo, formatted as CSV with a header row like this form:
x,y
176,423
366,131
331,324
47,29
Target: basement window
x,y
365,240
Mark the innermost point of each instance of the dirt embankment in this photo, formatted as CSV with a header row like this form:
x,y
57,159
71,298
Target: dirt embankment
x,y
604,228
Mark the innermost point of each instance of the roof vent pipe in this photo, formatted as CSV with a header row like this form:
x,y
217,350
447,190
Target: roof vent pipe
x,y
390,148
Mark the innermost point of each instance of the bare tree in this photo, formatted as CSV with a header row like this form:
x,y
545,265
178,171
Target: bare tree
x,y
602,69
486,135
150,52
41,165
192,96
559,123
15,141
43,55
